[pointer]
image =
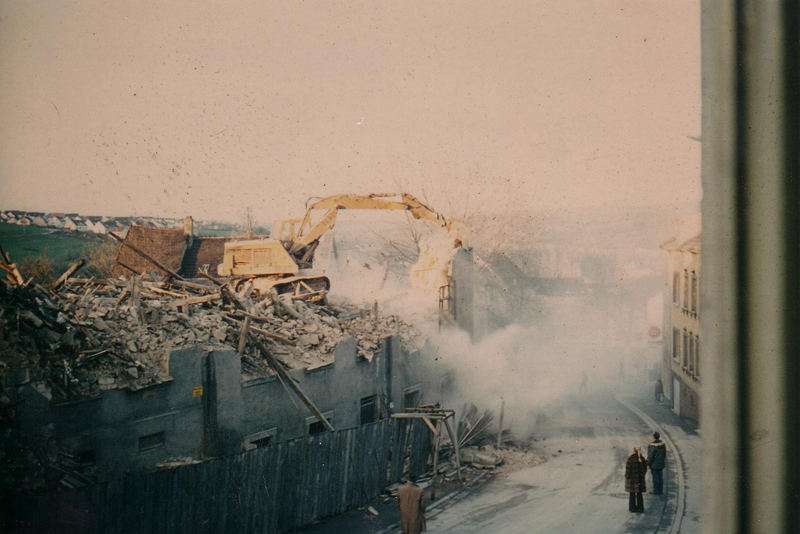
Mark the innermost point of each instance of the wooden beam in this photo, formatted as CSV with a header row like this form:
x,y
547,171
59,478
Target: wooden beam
x,y
13,275
240,314
454,439
500,428
430,425
291,382
270,335
209,277
146,256
192,285
437,439
243,335
193,300
403,415
63,278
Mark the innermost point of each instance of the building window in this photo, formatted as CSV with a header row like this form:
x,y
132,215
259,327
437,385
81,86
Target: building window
x,y
411,397
691,354
695,295
676,343
315,426
676,288
369,409
697,356
260,439
685,290
151,441
685,348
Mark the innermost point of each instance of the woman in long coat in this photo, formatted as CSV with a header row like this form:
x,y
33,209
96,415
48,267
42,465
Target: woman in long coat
x,y
411,501
635,469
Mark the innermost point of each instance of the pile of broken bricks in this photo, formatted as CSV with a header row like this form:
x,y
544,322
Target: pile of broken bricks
x,y
94,335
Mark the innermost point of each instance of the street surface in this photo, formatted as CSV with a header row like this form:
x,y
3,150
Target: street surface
x,y
580,488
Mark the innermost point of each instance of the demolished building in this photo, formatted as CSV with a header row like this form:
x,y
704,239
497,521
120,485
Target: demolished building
x,y
107,382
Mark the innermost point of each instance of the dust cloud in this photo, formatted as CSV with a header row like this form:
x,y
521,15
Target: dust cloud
x,y
573,319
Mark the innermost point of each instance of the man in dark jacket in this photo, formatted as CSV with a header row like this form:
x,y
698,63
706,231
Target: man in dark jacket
x,y
656,459
635,469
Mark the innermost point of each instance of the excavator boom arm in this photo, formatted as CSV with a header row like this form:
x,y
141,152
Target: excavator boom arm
x,y
308,233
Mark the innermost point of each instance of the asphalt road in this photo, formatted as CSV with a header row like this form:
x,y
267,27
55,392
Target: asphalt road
x,y
579,489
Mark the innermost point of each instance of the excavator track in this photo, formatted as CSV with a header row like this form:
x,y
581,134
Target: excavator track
x,y
308,288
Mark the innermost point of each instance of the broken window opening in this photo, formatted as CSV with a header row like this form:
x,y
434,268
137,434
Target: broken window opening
x,y
369,409
411,398
315,426
260,439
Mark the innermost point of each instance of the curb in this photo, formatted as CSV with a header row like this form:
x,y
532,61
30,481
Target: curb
x,y
680,492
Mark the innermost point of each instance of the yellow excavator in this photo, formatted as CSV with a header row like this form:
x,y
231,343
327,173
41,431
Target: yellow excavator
x,y
276,262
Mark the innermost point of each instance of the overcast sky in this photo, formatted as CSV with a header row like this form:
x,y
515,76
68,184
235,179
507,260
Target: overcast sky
x,y
173,108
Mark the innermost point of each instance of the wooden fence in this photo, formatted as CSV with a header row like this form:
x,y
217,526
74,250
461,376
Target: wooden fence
x,y
268,490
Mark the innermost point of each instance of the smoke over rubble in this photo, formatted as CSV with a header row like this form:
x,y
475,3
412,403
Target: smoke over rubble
x,y
559,317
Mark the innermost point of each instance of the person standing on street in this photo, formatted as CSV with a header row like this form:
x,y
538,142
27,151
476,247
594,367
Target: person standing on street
x,y
656,459
411,501
659,390
635,470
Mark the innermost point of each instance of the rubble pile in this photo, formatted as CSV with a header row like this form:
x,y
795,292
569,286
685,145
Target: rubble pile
x,y
95,335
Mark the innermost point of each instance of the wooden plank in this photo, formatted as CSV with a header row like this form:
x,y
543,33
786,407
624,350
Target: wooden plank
x,y
430,425
436,442
193,285
270,335
159,291
193,300
429,416
243,335
13,275
453,439
63,278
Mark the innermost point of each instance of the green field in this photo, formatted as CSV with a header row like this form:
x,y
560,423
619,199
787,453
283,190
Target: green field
x,y
62,247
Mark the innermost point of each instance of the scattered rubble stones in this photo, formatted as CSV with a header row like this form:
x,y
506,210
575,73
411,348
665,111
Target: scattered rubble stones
x,y
97,335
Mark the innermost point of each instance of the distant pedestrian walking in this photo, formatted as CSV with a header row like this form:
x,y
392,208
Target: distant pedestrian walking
x,y
584,382
411,501
659,390
657,459
635,470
